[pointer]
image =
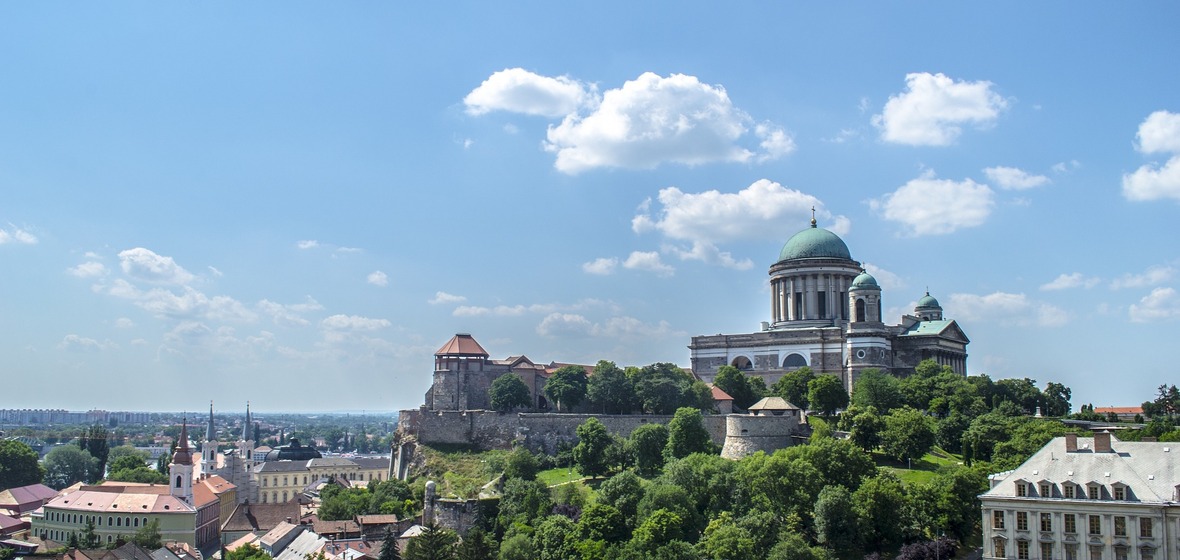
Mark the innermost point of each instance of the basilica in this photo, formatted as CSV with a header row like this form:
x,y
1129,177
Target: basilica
x,y
825,313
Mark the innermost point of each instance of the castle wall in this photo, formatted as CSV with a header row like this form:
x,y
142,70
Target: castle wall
x,y
747,434
537,431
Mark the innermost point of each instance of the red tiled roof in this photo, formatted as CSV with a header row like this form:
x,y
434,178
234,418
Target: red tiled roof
x,y
1118,409
719,395
26,498
462,344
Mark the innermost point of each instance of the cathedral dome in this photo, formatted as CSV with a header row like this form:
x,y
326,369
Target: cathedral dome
x,y
865,281
814,243
928,301
293,452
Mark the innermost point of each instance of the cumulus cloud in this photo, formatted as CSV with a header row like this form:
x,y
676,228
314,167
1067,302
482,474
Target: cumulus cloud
x,y
14,234
1160,304
89,269
1150,277
378,278
1070,281
601,266
289,314
519,91
1005,309
499,310
124,323
564,324
77,343
1012,178
308,244
931,206
1066,166
709,218
145,265
887,280
353,323
188,303
649,261
933,109
1159,133
443,298
620,327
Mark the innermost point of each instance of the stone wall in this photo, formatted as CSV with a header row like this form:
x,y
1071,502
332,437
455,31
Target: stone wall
x,y
487,429
747,434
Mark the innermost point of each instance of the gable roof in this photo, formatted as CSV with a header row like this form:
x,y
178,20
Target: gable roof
x,y
260,517
26,498
945,328
719,395
773,403
462,344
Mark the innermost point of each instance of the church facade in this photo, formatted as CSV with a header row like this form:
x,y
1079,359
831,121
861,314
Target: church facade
x,y
825,313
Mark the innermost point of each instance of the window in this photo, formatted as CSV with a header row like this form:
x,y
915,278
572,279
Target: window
x,y
1046,522
1022,550
998,548
1120,526
1046,490
1067,489
1145,528
1095,553
1120,493
1071,523
1120,553
1071,552
1146,554
1046,551
1021,489
1095,525
264,482
1022,521
1095,492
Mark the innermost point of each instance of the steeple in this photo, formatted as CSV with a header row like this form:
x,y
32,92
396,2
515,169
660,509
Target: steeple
x,y
247,430
210,431
180,472
209,446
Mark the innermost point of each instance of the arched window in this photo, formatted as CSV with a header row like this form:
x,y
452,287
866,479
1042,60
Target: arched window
x,y
743,363
860,309
178,481
794,360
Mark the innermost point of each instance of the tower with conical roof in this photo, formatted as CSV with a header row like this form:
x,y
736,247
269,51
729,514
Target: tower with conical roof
x,y
209,446
180,470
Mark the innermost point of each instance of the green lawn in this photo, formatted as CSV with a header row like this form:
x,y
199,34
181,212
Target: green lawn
x,y
560,475
921,470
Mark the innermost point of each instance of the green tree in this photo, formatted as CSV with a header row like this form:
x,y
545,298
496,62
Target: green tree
x,y
793,386
389,547
476,545
794,547
623,491
1055,400
784,484
879,504
434,543
687,435
1021,392
839,462
139,474
19,465
835,521
867,427
521,463
95,441
877,389
725,540
247,552
126,462
826,394
602,522
610,389
517,547
68,464
661,388
118,456
658,529
737,385
148,536
556,538
908,434
646,446
590,452
508,392
567,387
89,538
523,501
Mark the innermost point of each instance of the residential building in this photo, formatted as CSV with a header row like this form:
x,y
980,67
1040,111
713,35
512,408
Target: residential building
x,y
1087,499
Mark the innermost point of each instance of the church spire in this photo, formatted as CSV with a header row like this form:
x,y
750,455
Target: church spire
x,y
247,434
813,216
210,431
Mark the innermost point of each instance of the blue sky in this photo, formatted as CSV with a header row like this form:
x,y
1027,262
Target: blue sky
x,y
297,203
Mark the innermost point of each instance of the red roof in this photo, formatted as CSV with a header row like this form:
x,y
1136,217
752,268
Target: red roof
x,y
719,395
1118,409
462,345
26,498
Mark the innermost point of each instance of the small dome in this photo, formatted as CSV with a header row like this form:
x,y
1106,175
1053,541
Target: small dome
x,y
928,301
293,452
814,243
865,281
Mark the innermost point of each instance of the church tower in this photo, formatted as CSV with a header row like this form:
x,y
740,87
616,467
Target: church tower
x,y
869,346
209,446
180,471
244,463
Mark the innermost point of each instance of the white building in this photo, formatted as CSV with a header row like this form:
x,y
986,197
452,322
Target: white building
x,y
1087,499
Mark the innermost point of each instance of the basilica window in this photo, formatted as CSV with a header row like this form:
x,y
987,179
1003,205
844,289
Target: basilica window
x,y
860,309
1095,525
823,305
1145,528
1046,551
1071,523
1022,521
1022,550
998,548
1120,526
1046,522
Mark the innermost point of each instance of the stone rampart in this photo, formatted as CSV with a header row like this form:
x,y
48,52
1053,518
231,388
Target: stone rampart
x,y
747,434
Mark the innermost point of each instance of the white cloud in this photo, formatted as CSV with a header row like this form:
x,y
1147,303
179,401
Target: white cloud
x,y
189,303
77,343
653,120
708,253
215,272
16,235
124,323
289,314
649,261
1158,133
308,244
887,280
443,297
519,91
1005,309
88,270
353,323
932,109
1150,277
931,206
143,264
1071,280
1160,304
378,278
564,324
601,266
1012,178
1066,166
499,310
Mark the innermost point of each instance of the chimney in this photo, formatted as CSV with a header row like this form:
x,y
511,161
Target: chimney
x,y
1102,442
1071,443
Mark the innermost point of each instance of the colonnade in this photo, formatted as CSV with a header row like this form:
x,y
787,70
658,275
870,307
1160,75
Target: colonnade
x,y
801,297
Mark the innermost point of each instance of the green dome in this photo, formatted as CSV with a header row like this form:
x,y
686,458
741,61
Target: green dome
x,y
928,301
865,281
814,243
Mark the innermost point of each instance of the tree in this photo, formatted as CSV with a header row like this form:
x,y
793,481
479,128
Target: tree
x,y
794,547
867,426
89,538
737,385
661,388
127,462
95,441
623,491
826,394
521,464
476,545
18,465
725,540
838,461
877,389
602,522
68,464
908,434
556,538
835,520
610,389
646,446
148,536
567,387
508,392
660,528
793,386
879,504
389,548
687,435
523,501
517,547
1055,400
247,552
140,474
1022,392
434,543
590,452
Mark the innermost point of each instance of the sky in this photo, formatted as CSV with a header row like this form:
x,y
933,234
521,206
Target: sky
x,y
297,203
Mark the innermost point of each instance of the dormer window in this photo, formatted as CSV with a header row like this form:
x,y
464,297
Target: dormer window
x,y
1120,492
1046,490
1021,488
1067,489
1095,492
